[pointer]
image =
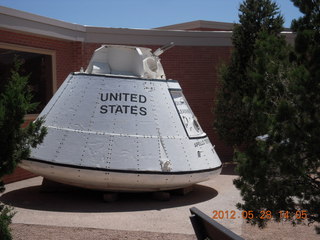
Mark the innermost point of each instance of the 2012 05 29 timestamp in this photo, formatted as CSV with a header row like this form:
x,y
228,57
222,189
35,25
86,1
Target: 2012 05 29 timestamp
x,y
263,214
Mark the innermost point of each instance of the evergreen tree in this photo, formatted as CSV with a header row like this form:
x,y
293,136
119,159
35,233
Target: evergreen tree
x,y
15,142
234,121
281,172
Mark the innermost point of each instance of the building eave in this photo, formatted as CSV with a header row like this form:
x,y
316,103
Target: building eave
x,y
199,24
16,20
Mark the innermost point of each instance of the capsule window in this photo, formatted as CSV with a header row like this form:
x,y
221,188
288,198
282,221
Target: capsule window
x,y
188,119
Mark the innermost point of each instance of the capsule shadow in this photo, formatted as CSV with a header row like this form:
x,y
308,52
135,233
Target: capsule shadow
x,y
82,200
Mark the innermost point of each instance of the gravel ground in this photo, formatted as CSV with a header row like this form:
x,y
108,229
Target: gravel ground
x,y
274,231
39,232
279,231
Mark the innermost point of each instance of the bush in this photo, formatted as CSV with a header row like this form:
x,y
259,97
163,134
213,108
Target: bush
x,y
15,142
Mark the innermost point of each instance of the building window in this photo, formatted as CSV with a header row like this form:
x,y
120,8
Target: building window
x,y
38,66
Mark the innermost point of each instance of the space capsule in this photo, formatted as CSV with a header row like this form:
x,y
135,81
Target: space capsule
x,y
122,126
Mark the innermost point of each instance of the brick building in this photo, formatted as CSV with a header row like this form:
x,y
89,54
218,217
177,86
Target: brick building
x,y
52,49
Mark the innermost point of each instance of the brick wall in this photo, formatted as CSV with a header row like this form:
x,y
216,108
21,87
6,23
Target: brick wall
x,y
19,174
195,67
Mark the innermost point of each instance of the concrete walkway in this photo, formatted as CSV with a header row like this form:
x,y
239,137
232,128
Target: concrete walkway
x,y
132,212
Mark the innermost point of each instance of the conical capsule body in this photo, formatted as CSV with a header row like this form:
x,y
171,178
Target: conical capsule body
x,y
122,132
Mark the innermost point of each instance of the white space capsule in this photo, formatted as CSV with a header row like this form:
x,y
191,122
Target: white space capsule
x,y
121,126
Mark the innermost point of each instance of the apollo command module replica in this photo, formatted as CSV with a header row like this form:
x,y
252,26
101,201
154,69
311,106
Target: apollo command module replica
x,y
122,126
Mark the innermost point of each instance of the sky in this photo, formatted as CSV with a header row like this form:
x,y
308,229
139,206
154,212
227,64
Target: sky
x,y
142,14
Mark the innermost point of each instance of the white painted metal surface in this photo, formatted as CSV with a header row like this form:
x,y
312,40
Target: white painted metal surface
x,y
114,128
126,61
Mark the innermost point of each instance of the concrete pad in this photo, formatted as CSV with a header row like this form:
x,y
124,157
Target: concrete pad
x,y
132,212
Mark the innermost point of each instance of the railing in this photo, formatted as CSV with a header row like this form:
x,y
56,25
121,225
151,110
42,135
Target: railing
x,y
208,229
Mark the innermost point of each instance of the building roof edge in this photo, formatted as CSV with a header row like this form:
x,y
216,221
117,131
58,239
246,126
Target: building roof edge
x,y
15,20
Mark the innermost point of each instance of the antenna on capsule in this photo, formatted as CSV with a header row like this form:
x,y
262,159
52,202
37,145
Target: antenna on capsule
x,y
162,49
